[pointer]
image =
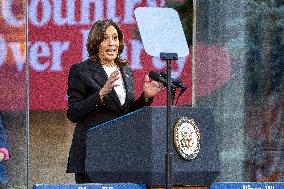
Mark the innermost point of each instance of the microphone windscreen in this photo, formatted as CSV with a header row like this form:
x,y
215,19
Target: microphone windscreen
x,y
163,75
154,75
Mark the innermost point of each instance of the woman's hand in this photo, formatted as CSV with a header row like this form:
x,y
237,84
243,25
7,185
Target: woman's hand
x,y
110,83
151,88
2,156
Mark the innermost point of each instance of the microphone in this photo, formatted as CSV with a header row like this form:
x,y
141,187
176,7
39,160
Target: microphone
x,y
177,82
157,77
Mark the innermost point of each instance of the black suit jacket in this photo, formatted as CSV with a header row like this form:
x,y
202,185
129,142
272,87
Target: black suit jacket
x,y
86,108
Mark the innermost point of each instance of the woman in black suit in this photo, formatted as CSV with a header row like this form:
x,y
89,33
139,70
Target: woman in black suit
x,y
100,89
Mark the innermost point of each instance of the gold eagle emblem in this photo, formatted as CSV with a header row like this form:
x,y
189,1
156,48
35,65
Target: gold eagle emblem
x,y
186,138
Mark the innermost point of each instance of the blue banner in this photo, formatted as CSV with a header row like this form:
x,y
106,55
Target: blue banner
x,y
248,185
90,186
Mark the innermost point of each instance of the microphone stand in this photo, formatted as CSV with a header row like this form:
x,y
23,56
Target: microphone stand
x,y
173,90
169,155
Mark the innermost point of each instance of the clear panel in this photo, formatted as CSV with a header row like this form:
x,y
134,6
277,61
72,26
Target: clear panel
x,y
13,108
239,55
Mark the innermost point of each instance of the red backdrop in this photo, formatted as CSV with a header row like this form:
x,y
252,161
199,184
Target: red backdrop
x,y
57,32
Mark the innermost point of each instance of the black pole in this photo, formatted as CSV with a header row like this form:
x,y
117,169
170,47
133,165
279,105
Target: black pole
x,y
169,155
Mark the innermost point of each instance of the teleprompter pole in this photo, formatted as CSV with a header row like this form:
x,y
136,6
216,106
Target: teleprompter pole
x,y
169,155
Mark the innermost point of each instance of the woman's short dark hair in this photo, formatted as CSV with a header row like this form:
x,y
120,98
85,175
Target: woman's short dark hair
x,y
96,35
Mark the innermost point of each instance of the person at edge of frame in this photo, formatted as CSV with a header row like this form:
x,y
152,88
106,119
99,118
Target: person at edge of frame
x,y
4,155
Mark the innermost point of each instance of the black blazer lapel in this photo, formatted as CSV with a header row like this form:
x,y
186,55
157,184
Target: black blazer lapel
x,y
100,76
98,72
128,82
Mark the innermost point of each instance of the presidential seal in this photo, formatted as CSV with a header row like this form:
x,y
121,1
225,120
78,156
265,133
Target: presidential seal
x,y
186,138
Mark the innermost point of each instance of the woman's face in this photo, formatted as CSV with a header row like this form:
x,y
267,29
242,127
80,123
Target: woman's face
x,y
108,49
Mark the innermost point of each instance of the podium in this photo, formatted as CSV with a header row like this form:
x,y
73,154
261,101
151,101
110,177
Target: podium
x,y
131,149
